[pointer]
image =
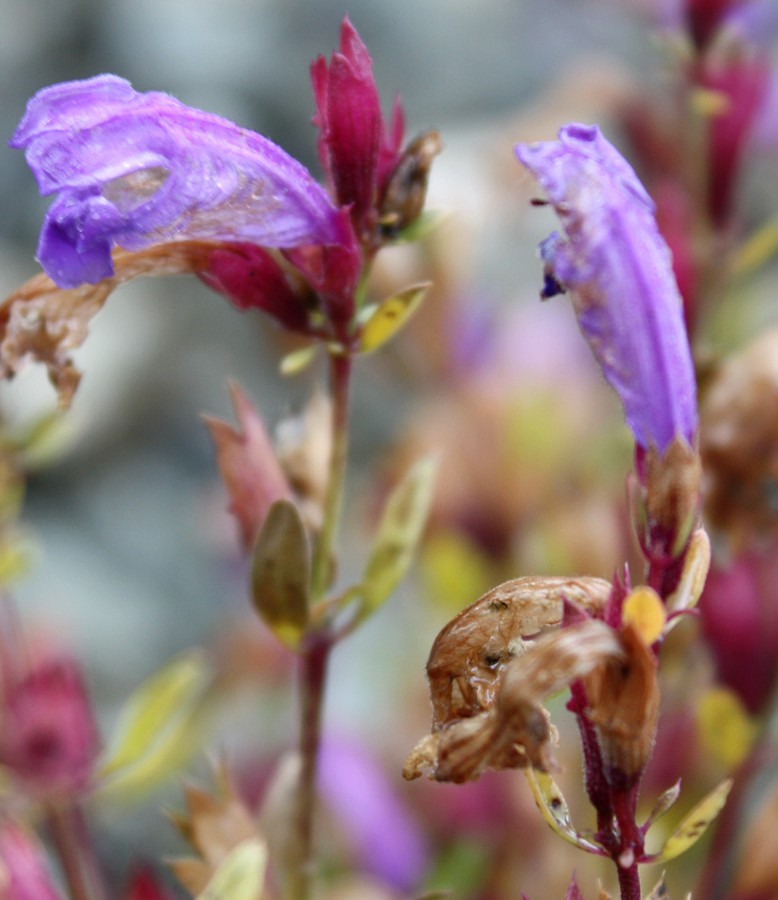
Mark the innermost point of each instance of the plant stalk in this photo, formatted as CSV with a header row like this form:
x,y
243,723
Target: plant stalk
x,y
69,837
316,648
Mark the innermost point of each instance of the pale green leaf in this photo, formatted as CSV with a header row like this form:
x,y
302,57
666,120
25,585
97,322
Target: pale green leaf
x,y
280,573
241,875
298,360
157,727
664,802
694,825
399,533
389,316
553,807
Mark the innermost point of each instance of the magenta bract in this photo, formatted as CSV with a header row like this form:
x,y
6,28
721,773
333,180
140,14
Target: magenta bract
x,y
618,268
354,147
136,169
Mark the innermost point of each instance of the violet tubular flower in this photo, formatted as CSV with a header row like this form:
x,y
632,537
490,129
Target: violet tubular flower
x,y
137,169
618,268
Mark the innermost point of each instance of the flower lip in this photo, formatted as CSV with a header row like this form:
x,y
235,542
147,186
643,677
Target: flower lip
x,y
618,268
136,169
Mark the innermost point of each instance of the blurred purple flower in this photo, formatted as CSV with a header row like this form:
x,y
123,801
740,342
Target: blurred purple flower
x,y
387,841
618,267
136,169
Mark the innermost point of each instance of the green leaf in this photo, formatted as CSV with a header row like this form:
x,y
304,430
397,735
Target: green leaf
x,y
693,825
389,316
158,728
553,807
398,536
241,875
280,573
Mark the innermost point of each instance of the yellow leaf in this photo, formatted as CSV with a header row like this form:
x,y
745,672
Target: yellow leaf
x,y
725,727
389,316
242,874
298,360
156,729
693,825
454,570
553,808
644,610
758,250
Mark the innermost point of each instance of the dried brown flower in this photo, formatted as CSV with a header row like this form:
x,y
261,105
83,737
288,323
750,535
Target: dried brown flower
x,y
470,653
214,825
489,681
44,323
624,699
739,442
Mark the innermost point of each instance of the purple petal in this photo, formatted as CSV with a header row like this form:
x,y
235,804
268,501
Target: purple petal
x,y
619,270
388,842
137,169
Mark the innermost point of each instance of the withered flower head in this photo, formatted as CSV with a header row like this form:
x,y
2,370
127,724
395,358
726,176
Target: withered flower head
x,y
489,678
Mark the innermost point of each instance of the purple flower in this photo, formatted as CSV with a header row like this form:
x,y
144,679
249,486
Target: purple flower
x,y
618,268
134,170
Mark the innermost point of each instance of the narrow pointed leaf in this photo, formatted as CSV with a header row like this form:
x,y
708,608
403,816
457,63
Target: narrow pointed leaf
x,y
298,360
573,891
399,533
553,807
241,875
389,317
695,571
280,573
694,825
156,730
663,803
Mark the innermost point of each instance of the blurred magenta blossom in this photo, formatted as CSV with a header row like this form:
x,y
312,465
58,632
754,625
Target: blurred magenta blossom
x,y
618,268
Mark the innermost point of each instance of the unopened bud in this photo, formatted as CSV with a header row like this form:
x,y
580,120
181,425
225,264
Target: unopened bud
x,y
406,190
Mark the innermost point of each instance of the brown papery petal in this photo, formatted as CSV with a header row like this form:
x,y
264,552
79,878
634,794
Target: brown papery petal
x,y
40,322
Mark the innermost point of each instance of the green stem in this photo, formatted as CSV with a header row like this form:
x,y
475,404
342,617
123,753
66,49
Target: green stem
x,y
340,381
316,648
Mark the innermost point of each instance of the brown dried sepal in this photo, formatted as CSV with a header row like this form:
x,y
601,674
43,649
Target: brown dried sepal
x,y
672,493
43,323
624,702
515,731
470,653
213,825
